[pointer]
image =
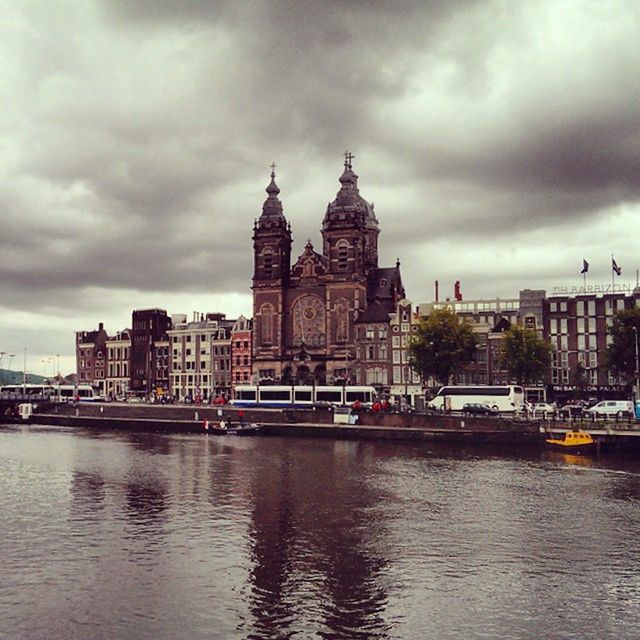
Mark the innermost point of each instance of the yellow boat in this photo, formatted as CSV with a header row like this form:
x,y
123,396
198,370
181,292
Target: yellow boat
x,y
573,442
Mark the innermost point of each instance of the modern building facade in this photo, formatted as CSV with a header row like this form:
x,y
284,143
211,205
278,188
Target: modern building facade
x,y
490,318
305,314
577,327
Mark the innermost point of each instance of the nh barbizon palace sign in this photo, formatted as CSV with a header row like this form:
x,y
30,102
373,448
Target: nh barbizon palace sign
x,y
591,288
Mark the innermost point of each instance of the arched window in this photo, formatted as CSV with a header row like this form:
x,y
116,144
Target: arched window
x,y
342,320
342,252
267,262
266,324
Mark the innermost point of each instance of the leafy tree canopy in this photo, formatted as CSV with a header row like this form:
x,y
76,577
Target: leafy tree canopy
x,y
525,355
621,352
442,346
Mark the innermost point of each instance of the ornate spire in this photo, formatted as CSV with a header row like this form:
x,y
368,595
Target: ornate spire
x,y
272,207
349,181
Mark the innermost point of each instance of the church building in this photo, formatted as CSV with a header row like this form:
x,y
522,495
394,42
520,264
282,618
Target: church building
x,y
306,315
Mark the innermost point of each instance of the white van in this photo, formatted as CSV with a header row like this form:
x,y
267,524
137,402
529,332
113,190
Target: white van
x,y
610,409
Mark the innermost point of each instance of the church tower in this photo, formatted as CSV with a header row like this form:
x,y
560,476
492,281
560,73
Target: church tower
x,y
272,264
350,230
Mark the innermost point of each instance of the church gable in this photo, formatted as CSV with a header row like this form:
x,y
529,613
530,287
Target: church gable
x,y
309,265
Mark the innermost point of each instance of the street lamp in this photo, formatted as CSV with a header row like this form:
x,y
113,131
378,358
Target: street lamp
x,y
635,333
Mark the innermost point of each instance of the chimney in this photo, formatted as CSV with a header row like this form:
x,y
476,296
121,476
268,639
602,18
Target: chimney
x,y
437,285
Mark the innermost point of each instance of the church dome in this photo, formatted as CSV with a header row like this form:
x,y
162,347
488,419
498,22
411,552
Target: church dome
x,y
348,203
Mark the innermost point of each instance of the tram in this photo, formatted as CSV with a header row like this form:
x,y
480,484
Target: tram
x,y
301,395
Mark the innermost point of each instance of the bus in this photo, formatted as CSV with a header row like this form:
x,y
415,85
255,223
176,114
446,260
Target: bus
x,y
500,397
83,392
26,391
301,395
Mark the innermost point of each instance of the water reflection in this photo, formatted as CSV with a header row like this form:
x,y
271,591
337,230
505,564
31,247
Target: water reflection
x,y
87,492
145,536
325,584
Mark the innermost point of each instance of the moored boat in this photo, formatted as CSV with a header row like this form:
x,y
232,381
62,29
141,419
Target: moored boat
x,y
575,441
223,428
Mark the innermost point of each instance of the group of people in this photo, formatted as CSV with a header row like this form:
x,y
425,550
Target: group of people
x,y
377,406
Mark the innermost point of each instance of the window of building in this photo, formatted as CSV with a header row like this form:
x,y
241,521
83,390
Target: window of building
x,y
592,307
405,327
342,253
565,376
395,341
267,263
266,323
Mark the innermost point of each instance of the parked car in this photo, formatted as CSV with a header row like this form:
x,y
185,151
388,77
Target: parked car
x,y
544,410
572,410
610,409
479,409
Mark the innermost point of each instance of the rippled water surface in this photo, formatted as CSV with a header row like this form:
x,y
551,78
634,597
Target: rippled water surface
x,y
134,535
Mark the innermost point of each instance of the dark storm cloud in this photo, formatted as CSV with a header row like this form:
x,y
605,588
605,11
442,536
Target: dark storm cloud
x,y
137,138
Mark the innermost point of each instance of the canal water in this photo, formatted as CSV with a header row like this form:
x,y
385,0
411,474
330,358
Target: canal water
x,y
137,535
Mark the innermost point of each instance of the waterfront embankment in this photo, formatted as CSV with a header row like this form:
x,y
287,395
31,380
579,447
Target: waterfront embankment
x,y
289,422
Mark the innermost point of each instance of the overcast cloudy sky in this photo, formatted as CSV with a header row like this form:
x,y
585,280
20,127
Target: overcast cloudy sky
x,y
499,141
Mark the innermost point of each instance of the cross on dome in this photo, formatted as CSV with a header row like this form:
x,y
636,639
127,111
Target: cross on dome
x,y
348,157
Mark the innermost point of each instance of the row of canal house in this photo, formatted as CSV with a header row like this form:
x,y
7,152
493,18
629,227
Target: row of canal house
x,y
165,355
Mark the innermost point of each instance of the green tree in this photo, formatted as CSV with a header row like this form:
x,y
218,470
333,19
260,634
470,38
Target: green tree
x,y
524,354
442,346
621,353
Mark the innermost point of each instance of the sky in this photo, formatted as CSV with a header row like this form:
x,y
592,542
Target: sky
x,y
499,141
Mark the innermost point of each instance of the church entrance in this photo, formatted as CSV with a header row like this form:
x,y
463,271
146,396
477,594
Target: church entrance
x,y
303,375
